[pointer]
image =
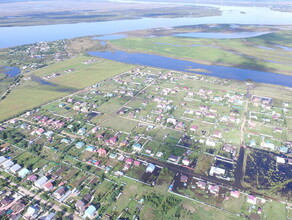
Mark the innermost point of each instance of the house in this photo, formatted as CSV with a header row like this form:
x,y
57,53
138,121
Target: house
x,y
124,143
32,210
60,192
127,167
283,149
235,194
180,126
6,201
137,163
66,141
214,189
18,207
49,134
217,134
113,155
23,172
112,140
7,164
90,148
280,160
251,199
201,184
48,186
173,158
41,181
15,168
268,145
186,162
50,216
171,121
184,178
150,168
210,143
101,152
90,212
80,205
129,161
194,128
137,147
40,131
229,148
80,144
81,131
216,171
2,159
32,178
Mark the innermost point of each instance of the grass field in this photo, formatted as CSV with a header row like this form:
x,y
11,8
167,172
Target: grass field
x,y
31,94
275,210
243,53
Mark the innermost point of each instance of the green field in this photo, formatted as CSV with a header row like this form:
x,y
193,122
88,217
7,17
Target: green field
x,y
275,210
243,53
30,94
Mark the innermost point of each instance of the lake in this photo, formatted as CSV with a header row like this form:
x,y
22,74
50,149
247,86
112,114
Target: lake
x,y
186,66
11,71
14,36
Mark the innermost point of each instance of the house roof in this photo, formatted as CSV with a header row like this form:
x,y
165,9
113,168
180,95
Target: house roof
x,y
61,190
80,204
15,168
48,185
90,210
23,172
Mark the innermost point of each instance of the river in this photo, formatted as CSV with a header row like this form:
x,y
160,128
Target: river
x,y
187,66
15,36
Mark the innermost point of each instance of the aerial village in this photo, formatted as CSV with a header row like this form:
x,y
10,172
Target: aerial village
x,y
211,141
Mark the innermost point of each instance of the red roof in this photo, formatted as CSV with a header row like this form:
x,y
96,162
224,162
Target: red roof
x,y
101,152
129,160
137,163
48,185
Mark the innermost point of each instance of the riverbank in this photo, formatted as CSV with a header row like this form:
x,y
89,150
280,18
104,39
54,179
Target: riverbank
x,y
261,53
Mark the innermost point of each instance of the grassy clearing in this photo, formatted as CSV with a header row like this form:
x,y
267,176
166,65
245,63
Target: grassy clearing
x,y
275,210
243,53
32,94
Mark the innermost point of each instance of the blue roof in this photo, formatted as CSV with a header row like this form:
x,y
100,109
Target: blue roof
x,y
283,149
90,147
90,210
23,172
137,145
80,144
